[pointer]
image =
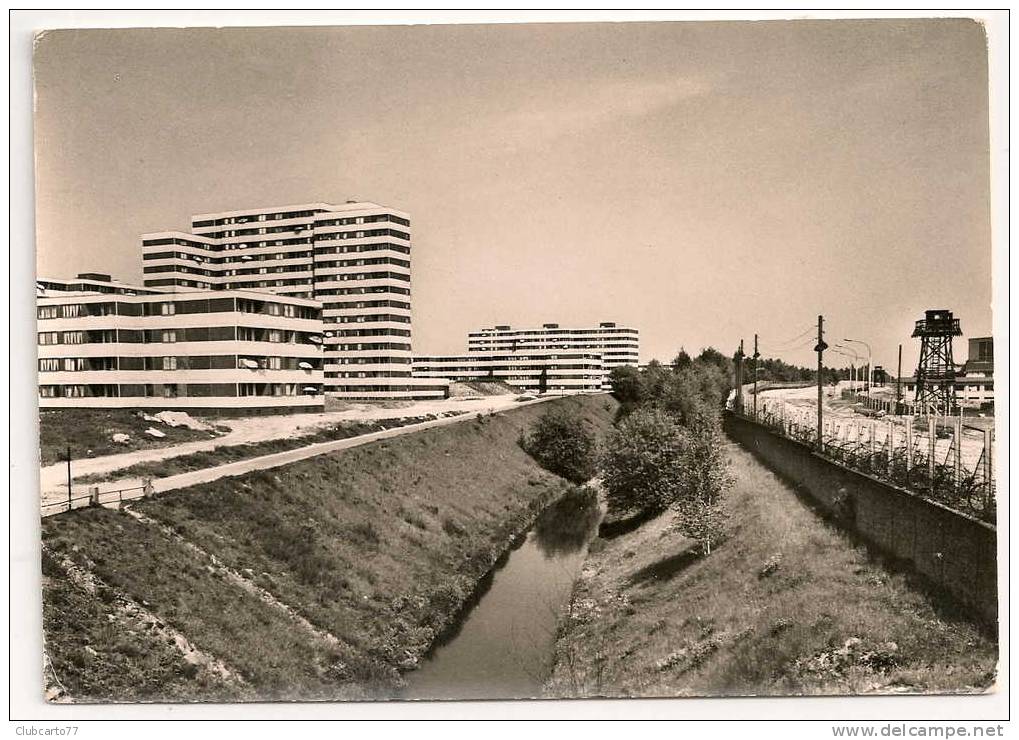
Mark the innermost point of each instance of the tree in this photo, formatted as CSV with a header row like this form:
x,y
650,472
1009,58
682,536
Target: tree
x,y
641,465
705,478
701,386
712,356
653,381
682,360
543,381
562,444
626,384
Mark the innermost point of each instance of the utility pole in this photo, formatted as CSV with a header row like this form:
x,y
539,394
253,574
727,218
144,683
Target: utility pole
x,y
820,348
898,385
68,477
756,355
739,378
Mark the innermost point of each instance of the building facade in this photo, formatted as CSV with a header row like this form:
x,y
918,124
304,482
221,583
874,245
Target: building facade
x,y
974,386
617,345
353,258
533,371
115,346
553,358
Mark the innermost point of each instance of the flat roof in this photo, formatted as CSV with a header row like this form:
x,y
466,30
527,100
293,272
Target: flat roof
x,y
164,297
330,207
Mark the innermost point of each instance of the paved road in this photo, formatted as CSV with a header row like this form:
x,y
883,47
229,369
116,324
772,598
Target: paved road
x,y
171,483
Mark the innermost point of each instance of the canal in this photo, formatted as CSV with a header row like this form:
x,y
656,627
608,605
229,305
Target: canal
x,y
502,645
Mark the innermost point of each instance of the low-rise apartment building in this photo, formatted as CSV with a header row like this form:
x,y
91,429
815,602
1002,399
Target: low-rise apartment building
x,y
118,346
534,371
617,345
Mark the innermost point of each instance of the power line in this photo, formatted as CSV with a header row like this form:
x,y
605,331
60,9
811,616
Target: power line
x,y
804,343
805,332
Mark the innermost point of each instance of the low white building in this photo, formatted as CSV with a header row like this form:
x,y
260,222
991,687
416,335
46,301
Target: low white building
x,y
554,371
616,345
108,345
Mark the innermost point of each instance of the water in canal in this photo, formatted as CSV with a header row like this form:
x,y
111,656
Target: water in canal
x,y
502,647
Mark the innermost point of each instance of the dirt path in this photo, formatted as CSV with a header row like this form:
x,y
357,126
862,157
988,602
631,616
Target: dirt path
x,y
54,494
246,430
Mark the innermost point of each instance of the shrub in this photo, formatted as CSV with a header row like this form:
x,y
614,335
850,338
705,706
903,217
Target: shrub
x,y
562,444
641,464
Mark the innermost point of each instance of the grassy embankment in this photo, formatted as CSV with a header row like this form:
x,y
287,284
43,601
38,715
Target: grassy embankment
x,y
377,546
787,605
103,655
92,429
232,453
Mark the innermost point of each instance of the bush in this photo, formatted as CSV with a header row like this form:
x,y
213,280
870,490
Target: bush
x,y
562,444
641,464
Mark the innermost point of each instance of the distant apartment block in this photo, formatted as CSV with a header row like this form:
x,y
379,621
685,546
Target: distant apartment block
x,y
617,345
554,371
559,358
354,258
108,345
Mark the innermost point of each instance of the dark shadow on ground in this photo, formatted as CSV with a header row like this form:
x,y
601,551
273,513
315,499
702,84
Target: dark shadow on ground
x,y
666,568
615,525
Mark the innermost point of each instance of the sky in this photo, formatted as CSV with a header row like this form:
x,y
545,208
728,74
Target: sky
x,y
701,181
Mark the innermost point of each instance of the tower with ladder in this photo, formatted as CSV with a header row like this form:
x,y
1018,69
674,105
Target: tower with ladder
x,y
935,374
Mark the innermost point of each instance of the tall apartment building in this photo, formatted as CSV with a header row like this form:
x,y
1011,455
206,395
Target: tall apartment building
x,y
353,258
617,345
109,345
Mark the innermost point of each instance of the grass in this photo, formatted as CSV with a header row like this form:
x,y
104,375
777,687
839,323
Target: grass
x,y
262,644
100,655
786,605
233,453
92,429
379,545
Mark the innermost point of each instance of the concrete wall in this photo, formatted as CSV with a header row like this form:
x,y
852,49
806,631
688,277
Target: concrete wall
x,y
955,553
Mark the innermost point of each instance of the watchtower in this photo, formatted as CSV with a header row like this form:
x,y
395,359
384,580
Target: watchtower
x,y
935,375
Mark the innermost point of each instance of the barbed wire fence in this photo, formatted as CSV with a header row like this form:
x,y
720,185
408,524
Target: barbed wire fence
x,y
942,459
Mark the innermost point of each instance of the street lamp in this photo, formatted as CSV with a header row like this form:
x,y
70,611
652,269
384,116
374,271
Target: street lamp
x,y
838,349
870,365
856,359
